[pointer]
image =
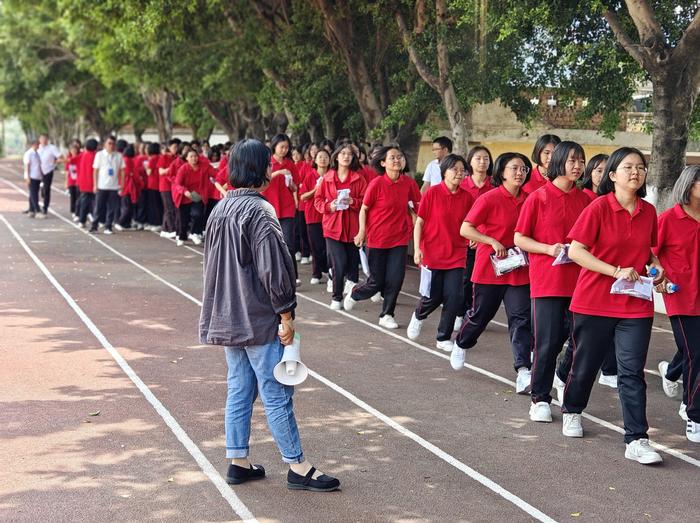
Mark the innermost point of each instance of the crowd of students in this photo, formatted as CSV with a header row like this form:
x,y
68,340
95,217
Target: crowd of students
x,y
573,227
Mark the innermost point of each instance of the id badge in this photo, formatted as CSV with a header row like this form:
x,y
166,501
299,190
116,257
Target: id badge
x,y
110,171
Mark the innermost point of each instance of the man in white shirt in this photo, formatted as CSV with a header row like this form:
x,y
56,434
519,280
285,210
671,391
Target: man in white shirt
x,y
108,174
33,176
442,146
50,155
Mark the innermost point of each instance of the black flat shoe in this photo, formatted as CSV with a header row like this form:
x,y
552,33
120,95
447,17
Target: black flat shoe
x,y
237,475
323,483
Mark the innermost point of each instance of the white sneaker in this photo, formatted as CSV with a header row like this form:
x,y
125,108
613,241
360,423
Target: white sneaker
x,y
76,218
458,324
304,260
682,412
155,228
640,451
457,357
377,298
348,286
571,425
196,239
414,327
541,412
522,382
118,227
336,305
90,217
671,388
559,387
387,321
349,303
445,345
298,282
692,431
108,232
297,256
163,234
329,286
170,235
315,281
179,242
608,381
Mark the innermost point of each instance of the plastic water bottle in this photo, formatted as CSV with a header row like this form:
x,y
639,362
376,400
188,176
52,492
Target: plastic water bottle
x,y
671,287
653,272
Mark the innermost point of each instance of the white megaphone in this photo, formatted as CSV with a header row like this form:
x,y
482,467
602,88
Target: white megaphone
x,y
290,370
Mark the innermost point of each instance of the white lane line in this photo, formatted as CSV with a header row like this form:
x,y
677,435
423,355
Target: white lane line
x,y
418,298
448,458
224,489
479,370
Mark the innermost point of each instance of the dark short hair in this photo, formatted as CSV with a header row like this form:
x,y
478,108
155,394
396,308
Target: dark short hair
x,y
174,141
606,184
381,156
472,153
130,151
110,137
354,163
248,162
449,161
121,145
327,143
91,144
500,166
319,151
279,138
445,142
542,142
557,165
153,148
591,166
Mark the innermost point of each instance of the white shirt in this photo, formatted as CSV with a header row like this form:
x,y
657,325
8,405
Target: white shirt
x,y
32,162
108,166
432,173
49,154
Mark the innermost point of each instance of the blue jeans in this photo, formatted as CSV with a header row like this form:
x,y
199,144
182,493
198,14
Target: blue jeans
x,y
249,374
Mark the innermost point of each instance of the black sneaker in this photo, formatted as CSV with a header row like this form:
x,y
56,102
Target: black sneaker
x,y
323,483
237,475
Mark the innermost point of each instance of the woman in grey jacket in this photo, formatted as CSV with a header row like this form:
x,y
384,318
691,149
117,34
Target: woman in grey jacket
x,y
248,305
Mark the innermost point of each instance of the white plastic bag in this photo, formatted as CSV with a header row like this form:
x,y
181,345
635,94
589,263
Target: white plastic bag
x,y
426,279
563,256
514,259
643,288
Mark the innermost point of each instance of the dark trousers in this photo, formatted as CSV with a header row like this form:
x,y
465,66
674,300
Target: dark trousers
x,y
467,287
169,212
551,326
193,212
592,338
675,366
34,187
387,268
73,193
46,190
287,225
609,367
106,208
141,216
301,241
154,207
686,331
344,259
446,290
487,298
318,249
86,204
127,210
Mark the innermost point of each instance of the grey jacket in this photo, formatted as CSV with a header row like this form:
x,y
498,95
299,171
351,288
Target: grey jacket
x,y
249,274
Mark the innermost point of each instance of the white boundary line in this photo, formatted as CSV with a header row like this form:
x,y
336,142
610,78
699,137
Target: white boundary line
x,y
448,458
479,370
204,464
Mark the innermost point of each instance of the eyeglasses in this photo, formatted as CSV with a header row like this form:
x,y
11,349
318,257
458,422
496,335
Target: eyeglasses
x,y
459,172
524,169
629,169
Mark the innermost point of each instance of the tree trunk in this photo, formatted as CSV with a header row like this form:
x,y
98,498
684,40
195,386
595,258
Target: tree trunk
x,y
224,115
458,120
160,104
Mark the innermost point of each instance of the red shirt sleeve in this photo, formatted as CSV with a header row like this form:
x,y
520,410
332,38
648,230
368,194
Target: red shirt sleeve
x,y
426,205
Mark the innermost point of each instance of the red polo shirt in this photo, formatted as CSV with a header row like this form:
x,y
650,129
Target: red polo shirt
x,y
469,185
536,181
495,214
309,183
617,237
389,223
547,217
192,179
164,180
343,225
679,254
72,163
590,193
277,193
443,213
85,172
153,179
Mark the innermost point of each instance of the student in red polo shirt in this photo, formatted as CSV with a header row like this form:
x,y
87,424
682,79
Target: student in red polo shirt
x,y
491,223
307,191
169,224
386,224
190,195
612,239
154,205
679,252
302,248
283,186
72,162
340,220
541,156
86,201
440,249
544,223
476,182
594,174
133,185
